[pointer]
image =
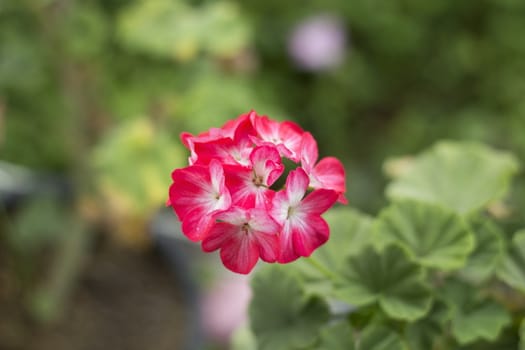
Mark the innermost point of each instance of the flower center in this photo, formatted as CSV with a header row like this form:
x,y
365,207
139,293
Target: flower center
x,y
258,180
291,210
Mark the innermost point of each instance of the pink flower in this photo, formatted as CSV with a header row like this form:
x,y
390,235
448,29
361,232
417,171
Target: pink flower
x,y
196,194
243,235
227,198
249,186
329,173
286,136
225,307
232,141
303,228
318,43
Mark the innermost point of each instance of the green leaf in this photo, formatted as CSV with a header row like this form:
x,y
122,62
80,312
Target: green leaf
x,y
176,29
40,222
388,278
512,268
434,236
243,339
282,317
483,321
380,338
488,253
349,233
144,150
462,176
474,317
337,336
429,333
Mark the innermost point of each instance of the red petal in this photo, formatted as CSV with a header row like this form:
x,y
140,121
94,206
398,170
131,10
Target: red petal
x,y
269,248
218,235
287,253
318,202
311,236
330,173
240,255
309,152
196,224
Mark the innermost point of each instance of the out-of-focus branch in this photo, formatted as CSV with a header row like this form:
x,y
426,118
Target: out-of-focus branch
x,y
48,302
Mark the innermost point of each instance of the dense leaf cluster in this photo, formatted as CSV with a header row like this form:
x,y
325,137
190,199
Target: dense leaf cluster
x,y
436,269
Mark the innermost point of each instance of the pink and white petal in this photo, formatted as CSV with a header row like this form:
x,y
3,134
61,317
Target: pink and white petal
x,y
266,160
309,152
240,254
243,128
194,197
220,149
235,215
197,224
317,202
264,199
217,177
186,139
218,234
189,189
330,173
239,181
287,252
268,244
242,150
291,135
275,172
296,185
286,152
229,128
267,129
261,221
280,206
309,235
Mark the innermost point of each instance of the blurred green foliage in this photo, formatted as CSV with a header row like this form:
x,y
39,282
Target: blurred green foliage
x,y
414,72
426,273
100,90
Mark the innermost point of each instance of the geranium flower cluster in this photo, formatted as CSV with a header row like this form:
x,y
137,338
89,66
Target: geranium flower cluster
x,y
226,198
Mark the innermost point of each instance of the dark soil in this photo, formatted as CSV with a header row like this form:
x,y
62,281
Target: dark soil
x,y
124,300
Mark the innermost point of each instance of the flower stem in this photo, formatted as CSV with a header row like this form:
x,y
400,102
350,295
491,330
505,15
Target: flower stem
x,y
321,268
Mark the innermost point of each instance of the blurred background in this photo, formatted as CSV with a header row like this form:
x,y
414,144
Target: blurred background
x,y
94,94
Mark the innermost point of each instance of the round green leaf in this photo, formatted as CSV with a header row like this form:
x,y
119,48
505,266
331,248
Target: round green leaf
x,y
434,236
512,269
462,176
281,316
488,253
337,336
474,317
483,321
430,332
349,234
380,338
388,278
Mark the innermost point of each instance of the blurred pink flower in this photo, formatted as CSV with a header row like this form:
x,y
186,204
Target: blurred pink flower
x,y
318,43
225,307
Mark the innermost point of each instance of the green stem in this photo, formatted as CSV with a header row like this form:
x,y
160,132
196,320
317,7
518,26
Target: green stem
x,y
48,302
321,268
